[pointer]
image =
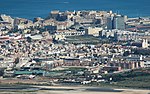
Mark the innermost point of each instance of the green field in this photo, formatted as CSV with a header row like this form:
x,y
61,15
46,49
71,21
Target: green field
x,y
66,72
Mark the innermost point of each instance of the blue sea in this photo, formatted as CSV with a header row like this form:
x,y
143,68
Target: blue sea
x,y
41,8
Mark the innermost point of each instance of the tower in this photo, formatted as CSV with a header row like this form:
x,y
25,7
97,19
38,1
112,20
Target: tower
x,y
110,22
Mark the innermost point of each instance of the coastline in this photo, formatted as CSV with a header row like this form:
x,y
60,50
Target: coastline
x,y
60,89
31,9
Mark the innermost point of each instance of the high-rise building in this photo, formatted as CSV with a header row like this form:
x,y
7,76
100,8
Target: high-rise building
x,y
110,22
119,22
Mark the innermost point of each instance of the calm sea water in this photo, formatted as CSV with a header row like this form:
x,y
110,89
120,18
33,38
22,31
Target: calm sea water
x,y
35,8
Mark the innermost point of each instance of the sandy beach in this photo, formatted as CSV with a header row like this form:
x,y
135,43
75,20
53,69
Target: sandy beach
x,y
68,90
89,90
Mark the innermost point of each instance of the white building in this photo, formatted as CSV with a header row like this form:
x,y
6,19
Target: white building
x,y
144,43
93,31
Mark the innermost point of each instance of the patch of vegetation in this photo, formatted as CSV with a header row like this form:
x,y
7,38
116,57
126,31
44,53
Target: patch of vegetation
x,y
138,78
141,51
67,72
75,69
83,39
